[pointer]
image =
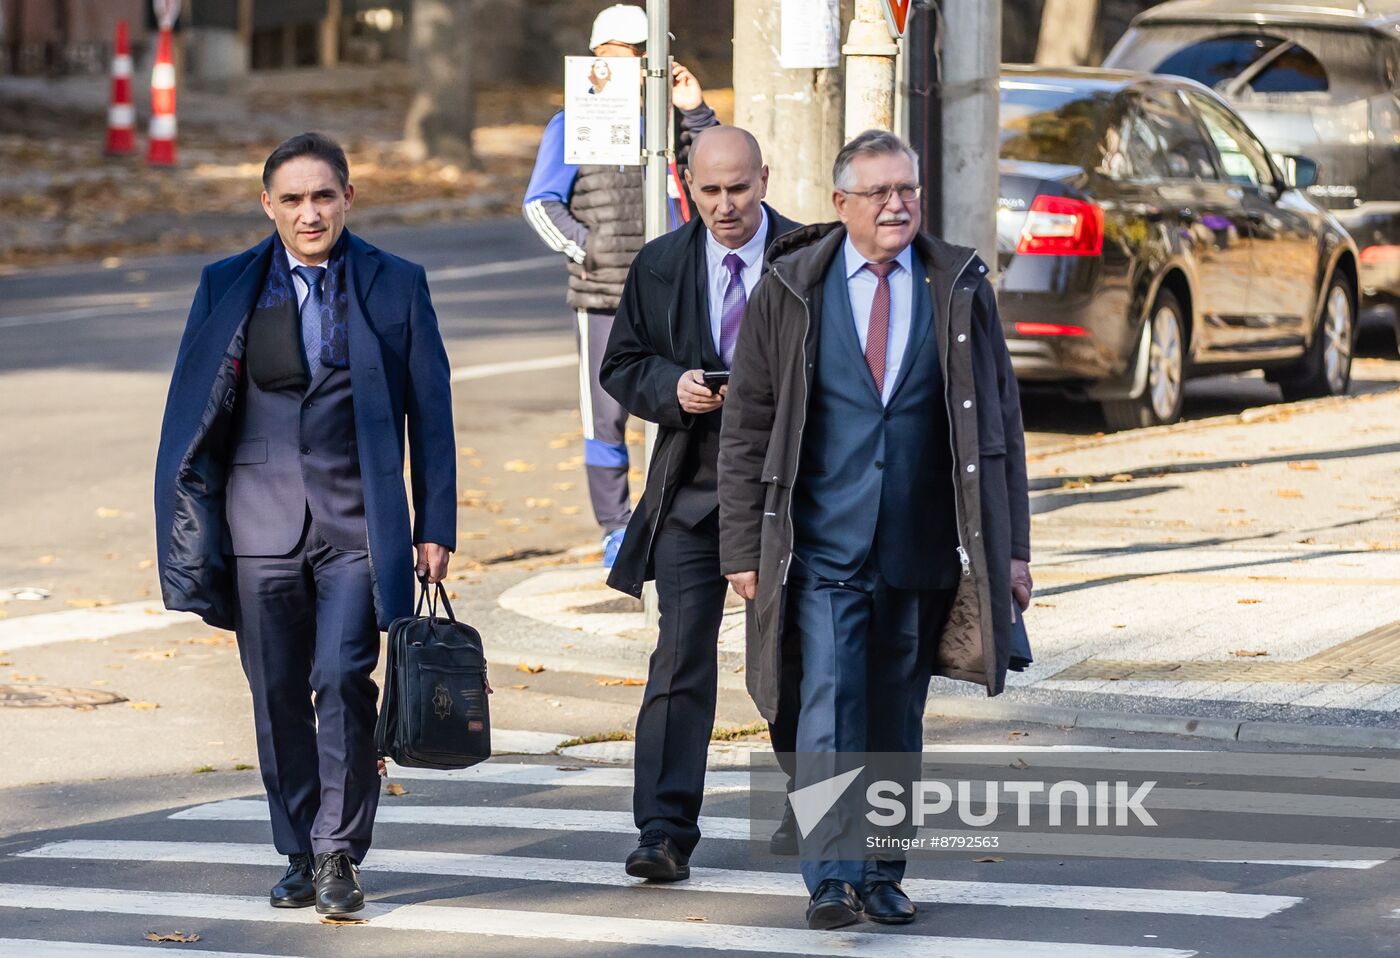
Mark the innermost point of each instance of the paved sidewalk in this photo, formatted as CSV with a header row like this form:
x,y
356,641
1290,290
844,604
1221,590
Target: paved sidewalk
x,y
1240,567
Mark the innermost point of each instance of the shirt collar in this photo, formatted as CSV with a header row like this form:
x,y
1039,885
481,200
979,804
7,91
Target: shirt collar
x,y
856,262
750,252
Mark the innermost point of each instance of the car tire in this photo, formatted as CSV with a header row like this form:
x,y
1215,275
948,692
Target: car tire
x,y
1160,402
1325,369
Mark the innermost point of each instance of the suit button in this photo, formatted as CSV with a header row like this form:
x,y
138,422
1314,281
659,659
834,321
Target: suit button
x,y
888,417
879,464
306,405
306,450
967,403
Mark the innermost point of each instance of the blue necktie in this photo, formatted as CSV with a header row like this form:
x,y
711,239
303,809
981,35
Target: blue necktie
x,y
732,310
311,315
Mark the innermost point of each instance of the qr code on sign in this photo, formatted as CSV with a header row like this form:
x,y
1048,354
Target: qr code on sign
x,y
621,134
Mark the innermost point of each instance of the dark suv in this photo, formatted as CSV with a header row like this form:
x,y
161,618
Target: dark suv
x,y
1320,78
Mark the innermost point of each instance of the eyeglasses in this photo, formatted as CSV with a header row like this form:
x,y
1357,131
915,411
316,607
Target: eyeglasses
x,y
880,195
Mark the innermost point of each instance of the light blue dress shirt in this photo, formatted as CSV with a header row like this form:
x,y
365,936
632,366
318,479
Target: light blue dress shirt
x,y
718,274
861,283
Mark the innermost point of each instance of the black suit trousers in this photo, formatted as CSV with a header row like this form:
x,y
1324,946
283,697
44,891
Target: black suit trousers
x,y
678,708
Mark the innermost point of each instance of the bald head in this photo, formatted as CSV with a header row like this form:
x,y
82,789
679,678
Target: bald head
x,y
728,181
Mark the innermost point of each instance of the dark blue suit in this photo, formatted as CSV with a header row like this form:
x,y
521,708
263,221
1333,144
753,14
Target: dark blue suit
x,y
875,549
282,514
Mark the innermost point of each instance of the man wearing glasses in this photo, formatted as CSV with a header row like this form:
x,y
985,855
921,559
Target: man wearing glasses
x,y
873,499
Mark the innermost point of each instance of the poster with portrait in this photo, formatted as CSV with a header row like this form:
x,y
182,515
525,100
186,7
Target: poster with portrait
x,y
603,110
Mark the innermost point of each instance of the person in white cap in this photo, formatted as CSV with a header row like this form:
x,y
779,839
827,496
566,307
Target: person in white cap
x,y
594,216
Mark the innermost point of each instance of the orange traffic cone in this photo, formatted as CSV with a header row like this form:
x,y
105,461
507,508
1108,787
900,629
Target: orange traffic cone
x,y
121,115
160,151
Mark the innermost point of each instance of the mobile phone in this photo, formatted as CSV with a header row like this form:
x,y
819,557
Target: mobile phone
x,y
716,379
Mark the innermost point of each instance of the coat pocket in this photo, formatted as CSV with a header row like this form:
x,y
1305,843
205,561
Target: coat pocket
x,y
249,452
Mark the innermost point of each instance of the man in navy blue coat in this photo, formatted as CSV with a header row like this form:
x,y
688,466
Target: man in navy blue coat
x,y
280,506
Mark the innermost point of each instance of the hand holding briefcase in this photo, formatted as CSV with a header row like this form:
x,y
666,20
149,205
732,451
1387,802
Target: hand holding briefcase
x,y
434,713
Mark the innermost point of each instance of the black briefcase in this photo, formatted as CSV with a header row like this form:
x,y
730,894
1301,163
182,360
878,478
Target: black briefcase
x,y
434,713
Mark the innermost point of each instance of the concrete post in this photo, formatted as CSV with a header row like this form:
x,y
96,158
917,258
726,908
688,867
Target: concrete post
x,y
795,114
330,33
971,106
870,55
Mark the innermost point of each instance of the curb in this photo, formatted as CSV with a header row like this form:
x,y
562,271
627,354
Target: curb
x,y
1275,733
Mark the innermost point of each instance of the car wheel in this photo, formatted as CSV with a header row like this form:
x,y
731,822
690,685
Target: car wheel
x,y
1160,402
1325,369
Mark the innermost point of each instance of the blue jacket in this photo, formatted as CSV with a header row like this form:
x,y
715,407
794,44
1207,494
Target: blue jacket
x,y
399,377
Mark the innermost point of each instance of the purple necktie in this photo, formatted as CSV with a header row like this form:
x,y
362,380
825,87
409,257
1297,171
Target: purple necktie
x,y
732,314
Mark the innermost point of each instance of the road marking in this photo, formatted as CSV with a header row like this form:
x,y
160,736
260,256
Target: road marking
x,y
33,948
101,623
554,926
486,370
146,302
1069,843
1216,904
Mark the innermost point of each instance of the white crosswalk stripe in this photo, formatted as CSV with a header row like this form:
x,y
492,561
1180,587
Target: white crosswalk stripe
x,y
1311,855
550,926
719,880
526,838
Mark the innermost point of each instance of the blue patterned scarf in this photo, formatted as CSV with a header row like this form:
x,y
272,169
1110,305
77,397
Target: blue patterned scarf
x,y
279,291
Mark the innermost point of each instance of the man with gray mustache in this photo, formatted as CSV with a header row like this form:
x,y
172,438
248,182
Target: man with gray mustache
x,y
872,488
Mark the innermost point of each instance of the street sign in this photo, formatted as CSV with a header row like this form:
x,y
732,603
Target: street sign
x,y
896,15
167,12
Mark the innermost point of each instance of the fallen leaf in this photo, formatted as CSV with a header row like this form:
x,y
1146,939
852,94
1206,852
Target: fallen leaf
x,y
1074,484
1121,477
1306,466
243,767
520,687
88,603
532,503
519,465
334,920
563,486
560,443
695,918
1195,783
569,465
106,512
16,677
396,790
466,451
628,681
1248,653
178,937
46,560
1288,493
988,859
571,510
144,706
1248,601
532,669
1016,733
204,770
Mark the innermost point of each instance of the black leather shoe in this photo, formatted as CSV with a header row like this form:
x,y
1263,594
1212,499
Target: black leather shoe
x,y
886,903
657,858
834,905
784,840
297,889
338,889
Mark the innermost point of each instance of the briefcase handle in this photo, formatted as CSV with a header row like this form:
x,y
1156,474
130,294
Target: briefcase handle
x,y
433,594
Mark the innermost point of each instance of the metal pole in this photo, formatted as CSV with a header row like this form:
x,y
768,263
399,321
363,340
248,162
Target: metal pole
x,y
657,119
657,116
971,105
870,54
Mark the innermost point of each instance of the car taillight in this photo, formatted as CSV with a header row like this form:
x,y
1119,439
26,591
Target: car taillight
x,y
1374,255
1049,329
1061,226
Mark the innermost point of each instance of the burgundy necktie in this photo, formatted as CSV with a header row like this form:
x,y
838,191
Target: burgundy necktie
x,y
877,336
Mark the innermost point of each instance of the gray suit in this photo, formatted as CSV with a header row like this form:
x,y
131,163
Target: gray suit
x,y
305,611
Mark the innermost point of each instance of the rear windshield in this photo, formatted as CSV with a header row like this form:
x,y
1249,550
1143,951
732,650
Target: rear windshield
x,y
1259,63
1043,123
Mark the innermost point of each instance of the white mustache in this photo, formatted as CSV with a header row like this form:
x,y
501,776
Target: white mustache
x,y
892,219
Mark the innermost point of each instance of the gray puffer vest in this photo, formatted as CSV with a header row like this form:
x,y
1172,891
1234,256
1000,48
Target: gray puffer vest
x,y
610,201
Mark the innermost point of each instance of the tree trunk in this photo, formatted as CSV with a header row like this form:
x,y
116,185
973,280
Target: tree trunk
x,y
443,110
1067,33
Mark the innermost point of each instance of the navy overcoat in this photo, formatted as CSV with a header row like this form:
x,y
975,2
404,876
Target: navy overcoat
x,y
400,379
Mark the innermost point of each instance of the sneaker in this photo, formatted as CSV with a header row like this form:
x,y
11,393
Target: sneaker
x,y
612,543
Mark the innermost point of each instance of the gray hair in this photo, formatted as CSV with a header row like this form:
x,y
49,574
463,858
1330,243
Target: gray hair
x,y
869,143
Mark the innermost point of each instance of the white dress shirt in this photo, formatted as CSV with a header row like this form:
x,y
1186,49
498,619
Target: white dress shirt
x,y
860,284
715,252
298,282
